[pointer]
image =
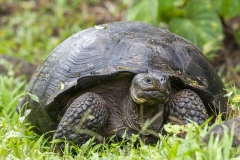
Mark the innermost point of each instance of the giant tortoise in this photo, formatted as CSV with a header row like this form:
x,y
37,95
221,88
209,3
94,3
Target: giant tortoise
x,y
115,78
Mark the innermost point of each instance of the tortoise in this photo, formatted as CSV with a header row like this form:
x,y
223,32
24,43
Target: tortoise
x,y
112,79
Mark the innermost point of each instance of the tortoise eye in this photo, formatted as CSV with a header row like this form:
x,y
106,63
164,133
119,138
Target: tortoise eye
x,y
148,80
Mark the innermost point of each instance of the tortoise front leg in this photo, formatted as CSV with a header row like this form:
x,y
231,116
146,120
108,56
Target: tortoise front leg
x,y
85,118
184,105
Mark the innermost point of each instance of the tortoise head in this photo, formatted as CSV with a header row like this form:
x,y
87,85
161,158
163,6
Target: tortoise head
x,y
150,89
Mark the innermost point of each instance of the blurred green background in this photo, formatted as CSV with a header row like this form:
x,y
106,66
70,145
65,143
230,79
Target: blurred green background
x,y
30,29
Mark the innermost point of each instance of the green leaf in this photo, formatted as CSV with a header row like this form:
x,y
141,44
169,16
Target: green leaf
x,y
175,149
201,25
166,4
175,129
227,8
186,29
56,141
96,147
169,9
27,112
236,98
144,10
33,97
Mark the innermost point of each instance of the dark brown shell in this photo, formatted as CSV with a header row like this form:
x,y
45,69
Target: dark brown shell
x,y
119,49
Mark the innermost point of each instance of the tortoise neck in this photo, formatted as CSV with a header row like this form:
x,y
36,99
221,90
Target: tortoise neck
x,y
138,115
145,112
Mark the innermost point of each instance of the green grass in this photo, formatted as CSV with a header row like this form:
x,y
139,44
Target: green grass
x,y
19,142
30,32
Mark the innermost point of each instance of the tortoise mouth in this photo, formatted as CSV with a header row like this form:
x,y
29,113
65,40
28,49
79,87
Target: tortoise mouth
x,y
159,96
161,90
149,97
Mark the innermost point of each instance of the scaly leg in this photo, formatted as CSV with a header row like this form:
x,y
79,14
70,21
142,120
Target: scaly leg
x,y
184,105
85,118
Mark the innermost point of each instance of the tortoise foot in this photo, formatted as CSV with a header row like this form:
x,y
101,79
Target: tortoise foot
x,y
184,105
85,118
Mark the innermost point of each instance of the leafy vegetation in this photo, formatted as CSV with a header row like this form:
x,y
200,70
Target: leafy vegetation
x,y
197,20
30,30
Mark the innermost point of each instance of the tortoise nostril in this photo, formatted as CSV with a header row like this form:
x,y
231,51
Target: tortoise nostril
x,y
163,79
162,82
